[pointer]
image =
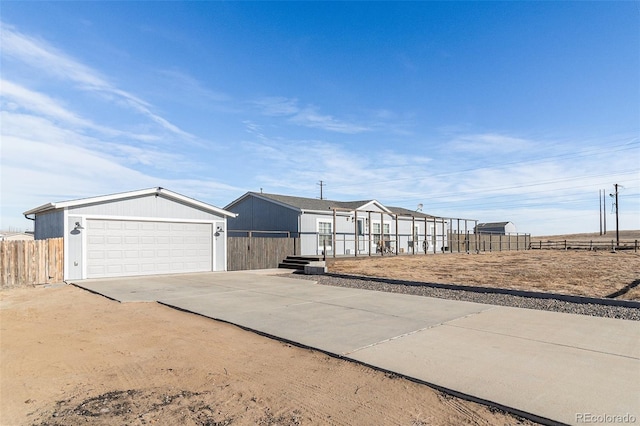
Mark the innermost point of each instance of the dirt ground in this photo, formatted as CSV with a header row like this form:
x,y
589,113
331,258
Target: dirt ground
x,y
585,273
70,357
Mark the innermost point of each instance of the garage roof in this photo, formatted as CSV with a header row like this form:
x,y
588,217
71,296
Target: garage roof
x,y
159,191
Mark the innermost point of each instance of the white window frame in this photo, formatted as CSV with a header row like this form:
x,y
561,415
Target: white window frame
x,y
375,232
330,234
382,233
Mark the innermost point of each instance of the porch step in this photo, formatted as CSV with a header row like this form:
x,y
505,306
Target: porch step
x,y
298,262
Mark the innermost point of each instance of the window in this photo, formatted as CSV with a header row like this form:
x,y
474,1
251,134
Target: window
x,y
360,227
377,236
325,235
376,232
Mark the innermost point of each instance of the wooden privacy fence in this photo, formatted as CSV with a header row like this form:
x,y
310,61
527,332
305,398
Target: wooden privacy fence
x,y
245,253
24,263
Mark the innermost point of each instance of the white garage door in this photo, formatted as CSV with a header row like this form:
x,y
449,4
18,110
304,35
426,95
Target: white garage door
x,y
117,248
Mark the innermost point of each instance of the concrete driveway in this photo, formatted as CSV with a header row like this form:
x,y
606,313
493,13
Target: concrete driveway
x,y
551,367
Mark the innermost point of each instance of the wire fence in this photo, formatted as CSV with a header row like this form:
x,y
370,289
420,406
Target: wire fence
x,y
346,244
586,245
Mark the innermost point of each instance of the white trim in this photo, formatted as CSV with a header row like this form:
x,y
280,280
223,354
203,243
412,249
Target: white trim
x,y
146,218
65,244
376,202
328,212
158,191
330,222
83,254
191,201
214,263
385,223
44,207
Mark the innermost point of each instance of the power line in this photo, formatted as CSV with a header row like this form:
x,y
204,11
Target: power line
x,y
628,145
475,191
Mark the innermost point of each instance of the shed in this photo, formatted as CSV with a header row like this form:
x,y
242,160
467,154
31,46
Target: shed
x,y
16,236
503,228
145,232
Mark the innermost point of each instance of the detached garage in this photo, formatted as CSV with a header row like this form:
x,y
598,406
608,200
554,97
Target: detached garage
x,y
146,232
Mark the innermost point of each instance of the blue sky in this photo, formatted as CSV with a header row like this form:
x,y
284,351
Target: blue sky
x,y
496,111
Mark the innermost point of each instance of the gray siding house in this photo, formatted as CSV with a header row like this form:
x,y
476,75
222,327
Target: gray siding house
x,y
145,232
503,228
340,227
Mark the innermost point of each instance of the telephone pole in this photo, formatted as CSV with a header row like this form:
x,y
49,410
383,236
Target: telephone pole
x,y
604,210
600,208
321,184
615,186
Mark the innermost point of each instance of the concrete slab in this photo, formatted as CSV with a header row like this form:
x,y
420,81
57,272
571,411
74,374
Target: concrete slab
x,y
151,288
333,328
607,335
552,380
430,311
148,289
552,365
220,305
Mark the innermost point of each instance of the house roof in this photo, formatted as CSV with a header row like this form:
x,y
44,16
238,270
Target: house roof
x,y
406,212
159,191
315,204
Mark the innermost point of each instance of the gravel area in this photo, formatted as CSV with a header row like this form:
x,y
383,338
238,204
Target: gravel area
x,y
425,289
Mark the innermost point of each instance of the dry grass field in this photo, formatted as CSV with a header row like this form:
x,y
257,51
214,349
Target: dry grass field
x,y
586,273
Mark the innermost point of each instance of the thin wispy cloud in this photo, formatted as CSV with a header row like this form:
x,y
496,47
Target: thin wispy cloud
x,y
489,143
48,59
193,87
305,116
45,162
18,98
277,106
348,172
309,117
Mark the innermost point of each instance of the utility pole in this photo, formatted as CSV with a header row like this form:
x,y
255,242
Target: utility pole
x,y
615,194
604,210
600,208
321,184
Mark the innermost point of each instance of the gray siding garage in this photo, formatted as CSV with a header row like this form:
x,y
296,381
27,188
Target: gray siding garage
x,y
146,232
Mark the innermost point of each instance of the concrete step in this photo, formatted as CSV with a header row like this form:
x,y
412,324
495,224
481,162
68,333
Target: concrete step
x,y
306,258
291,266
298,262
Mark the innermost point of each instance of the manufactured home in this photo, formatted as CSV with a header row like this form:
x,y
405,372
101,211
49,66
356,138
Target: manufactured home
x,y
338,227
